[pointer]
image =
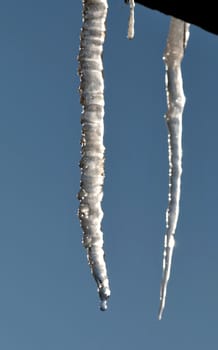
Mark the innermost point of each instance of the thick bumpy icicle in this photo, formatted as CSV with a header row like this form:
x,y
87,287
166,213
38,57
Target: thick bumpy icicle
x,y
92,147
174,52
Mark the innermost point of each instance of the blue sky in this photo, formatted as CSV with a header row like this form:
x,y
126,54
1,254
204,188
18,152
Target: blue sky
x,y
48,299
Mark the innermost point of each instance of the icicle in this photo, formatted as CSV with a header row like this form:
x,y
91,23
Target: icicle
x,y
131,19
92,149
176,43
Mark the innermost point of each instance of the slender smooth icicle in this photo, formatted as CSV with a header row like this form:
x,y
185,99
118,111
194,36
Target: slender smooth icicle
x,y
131,30
92,147
174,52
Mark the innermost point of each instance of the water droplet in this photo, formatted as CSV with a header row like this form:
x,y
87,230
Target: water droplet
x,y
103,305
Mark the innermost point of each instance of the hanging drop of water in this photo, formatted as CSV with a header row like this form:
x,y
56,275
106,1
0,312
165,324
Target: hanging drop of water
x,y
103,305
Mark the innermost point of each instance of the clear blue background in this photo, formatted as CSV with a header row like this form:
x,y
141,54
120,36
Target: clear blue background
x,y
48,298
